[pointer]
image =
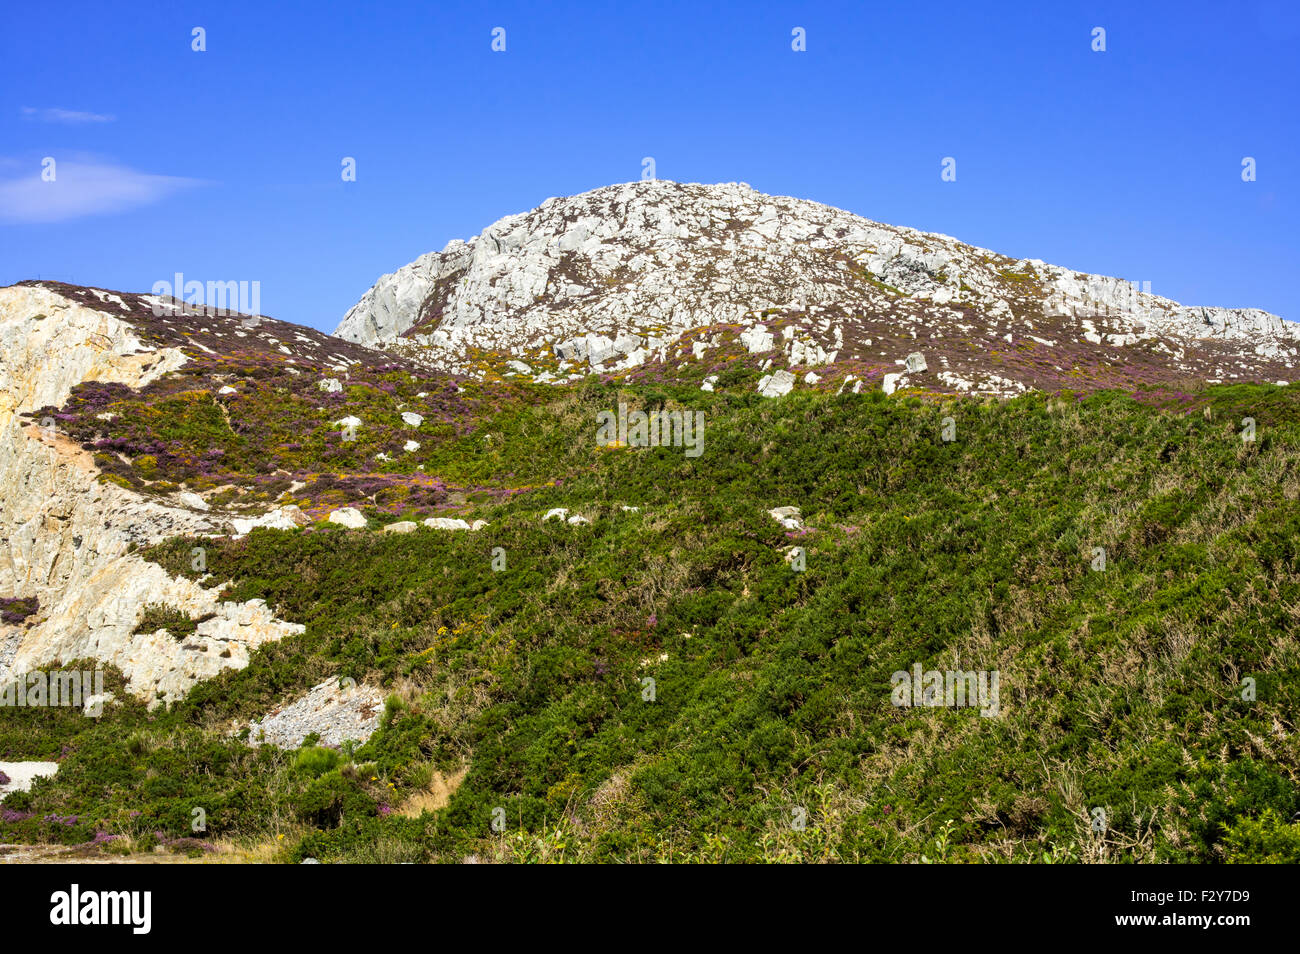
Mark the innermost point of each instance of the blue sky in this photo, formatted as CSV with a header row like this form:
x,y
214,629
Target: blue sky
x,y
225,164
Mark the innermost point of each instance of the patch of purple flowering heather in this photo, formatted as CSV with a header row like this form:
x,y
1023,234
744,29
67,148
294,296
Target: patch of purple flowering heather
x,y
15,610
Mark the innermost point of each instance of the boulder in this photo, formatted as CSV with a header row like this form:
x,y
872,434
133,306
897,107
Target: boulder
x,y
447,523
287,517
348,517
776,385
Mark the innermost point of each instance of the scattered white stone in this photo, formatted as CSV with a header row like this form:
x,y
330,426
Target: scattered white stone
x,y
402,526
330,385
193,500
227,390
348,421
410,446
788,517
413,419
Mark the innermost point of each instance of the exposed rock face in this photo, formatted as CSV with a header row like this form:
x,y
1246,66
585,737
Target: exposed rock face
x,y
65,536
21,775
336,712
604,280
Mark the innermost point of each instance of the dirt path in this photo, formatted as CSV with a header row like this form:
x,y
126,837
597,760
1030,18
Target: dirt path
x,y
93,855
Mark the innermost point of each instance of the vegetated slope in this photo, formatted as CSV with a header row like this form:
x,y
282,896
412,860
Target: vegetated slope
x,y
252,417
687,281
1123,689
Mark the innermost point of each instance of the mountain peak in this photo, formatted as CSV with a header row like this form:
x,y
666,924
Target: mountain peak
x,y
615,279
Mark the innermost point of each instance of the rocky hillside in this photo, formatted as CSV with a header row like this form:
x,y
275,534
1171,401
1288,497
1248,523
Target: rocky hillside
x,y
126,420
397,598
659,279
70,536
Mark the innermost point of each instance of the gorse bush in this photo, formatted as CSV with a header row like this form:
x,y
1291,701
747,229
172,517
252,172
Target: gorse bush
x,y
1128,569
315,761
178,624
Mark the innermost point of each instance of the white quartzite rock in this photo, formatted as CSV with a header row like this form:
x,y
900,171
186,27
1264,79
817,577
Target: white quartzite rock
x,y
776,385
337,711
68,536
608,278
348,517
788,517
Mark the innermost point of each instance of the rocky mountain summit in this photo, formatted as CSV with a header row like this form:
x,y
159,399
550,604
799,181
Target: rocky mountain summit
x,y
659,273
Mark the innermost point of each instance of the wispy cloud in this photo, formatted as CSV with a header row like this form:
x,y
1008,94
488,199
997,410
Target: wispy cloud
x,y
67,116
80,187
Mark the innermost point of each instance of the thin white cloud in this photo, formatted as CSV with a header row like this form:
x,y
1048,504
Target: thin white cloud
x,y
80,187
69,116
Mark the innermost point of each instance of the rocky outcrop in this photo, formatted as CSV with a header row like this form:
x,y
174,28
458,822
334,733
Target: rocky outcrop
x,y
67,538
606,280
19,776
336,710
